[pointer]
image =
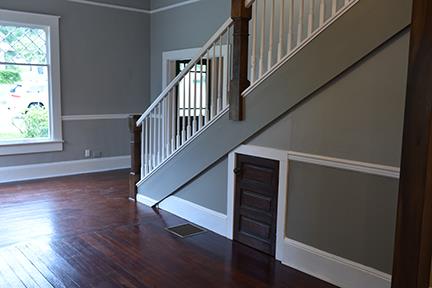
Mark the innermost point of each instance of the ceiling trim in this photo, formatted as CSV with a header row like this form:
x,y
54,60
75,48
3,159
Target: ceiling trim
x,y
172,6
132,9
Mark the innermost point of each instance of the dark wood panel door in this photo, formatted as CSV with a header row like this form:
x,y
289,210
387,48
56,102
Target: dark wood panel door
x,y
255,206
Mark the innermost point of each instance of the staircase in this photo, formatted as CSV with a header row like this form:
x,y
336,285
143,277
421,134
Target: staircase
x,y
196,110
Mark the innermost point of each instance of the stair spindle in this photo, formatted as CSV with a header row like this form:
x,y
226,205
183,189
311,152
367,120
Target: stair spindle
x,y
261,60
254,41
271,31
290,25
300,24
281,29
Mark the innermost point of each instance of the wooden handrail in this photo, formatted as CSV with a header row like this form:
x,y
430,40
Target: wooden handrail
x,y
135,147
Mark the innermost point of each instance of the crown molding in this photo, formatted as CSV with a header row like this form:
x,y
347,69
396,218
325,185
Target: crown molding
x,y
132,9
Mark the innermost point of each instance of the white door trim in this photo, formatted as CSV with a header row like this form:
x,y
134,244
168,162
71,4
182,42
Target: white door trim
x,y
269,153
169,57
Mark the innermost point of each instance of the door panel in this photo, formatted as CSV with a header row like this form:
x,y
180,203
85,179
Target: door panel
x,y
255,206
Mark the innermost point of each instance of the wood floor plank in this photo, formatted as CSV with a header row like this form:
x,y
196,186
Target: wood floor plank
x,y
10,275
82,231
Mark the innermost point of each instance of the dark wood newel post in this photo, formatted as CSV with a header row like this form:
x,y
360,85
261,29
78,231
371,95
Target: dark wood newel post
x,y
413,246
241,17
135,146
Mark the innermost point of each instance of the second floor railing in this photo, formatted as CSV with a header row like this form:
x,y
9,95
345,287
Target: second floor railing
x,y
279,28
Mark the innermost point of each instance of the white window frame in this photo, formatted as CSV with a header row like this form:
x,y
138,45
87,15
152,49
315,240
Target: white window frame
x,y
51,25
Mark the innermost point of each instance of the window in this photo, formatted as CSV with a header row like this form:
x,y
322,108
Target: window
x,y
30,117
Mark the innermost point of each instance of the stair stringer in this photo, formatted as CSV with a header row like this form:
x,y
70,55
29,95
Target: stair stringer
x,y
331,53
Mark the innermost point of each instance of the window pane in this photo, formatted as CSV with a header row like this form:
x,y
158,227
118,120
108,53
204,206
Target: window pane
x,y
24,102
23,45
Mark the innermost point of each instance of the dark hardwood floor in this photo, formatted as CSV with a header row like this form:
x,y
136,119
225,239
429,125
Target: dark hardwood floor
x,y
81,231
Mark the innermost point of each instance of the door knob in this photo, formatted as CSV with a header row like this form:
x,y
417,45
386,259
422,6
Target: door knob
x,y
236,171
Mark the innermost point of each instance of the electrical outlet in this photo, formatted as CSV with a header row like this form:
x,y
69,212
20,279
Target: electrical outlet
x,y
87,153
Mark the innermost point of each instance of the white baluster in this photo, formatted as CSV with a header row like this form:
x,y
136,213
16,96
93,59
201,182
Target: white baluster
x,y
271,40
228,68
167,131
159,145
300,24
281,29
322,13
145,142
311,14
213,85
261,60
334,7
200,106
254,41
183,119
207,107
177,109
173,119
154,130
195,105
162,130
189,128
220,84
290,25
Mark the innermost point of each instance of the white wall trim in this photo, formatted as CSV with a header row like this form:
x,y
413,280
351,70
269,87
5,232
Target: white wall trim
x,y
112,6
269,153
202,216
30,146
169,7
357,166
96,117
133,9
147,201
331,268
56,169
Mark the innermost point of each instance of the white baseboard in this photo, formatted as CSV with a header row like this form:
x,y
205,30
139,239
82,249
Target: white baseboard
x,y
145,200
330,268
325,266
56,169
199,215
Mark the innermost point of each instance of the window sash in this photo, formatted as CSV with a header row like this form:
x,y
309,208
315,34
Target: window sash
x,y
51,26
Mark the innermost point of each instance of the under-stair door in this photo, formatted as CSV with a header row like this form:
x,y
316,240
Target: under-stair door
x,y
255,206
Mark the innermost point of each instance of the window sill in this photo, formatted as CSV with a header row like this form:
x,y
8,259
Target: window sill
x,y
28,147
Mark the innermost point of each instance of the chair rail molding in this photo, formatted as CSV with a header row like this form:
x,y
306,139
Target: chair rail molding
x,y
96,117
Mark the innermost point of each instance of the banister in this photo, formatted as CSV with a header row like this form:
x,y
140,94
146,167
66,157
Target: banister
x,y
218,77
183,73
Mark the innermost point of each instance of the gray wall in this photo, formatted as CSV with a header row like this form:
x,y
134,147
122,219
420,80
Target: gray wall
x,y
358,116
209,187
104,70
188,26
